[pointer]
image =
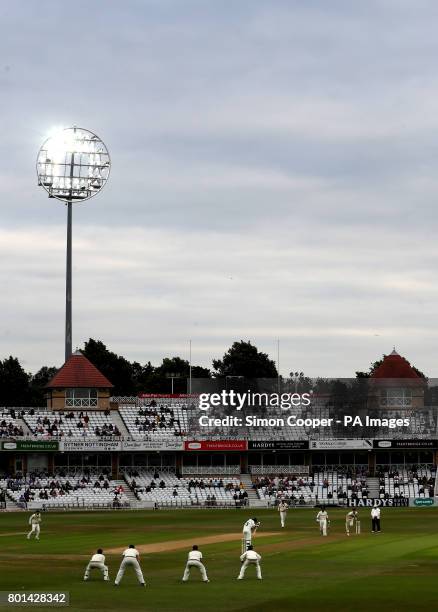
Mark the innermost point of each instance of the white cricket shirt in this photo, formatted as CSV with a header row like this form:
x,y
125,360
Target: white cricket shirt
x,y
195,555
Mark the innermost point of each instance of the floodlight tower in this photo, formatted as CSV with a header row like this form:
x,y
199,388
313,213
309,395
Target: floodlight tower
x,y
72,166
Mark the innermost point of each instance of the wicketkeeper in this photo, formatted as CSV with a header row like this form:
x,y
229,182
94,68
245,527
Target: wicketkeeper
x,y
250,557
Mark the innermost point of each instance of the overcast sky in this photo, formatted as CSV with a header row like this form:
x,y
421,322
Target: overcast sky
x,y
274,175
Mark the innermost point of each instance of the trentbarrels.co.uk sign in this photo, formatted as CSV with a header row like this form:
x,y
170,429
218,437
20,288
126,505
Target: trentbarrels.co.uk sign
x,y
216,445
31,446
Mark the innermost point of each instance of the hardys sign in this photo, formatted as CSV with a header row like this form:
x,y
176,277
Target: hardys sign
x,y
375,501
278,445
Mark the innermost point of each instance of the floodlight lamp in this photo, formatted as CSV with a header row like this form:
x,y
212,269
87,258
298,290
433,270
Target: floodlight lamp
x,y
73,164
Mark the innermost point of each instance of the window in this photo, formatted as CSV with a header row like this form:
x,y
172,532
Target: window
x,y
395,397
80,398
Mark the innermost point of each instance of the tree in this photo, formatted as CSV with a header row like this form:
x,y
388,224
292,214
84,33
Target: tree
x,y
14,383
117,369
244,359
178,367
132,378
38,384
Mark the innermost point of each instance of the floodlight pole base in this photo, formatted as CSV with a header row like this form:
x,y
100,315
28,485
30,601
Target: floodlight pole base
x,y
68,285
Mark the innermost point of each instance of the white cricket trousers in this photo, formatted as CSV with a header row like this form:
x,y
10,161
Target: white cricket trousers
x,y
245,565
36,531
135,564
323,527
247,539
199,565
96,565
282,518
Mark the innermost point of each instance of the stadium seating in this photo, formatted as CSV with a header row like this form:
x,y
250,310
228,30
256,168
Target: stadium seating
x,y
322,487
44,423
78,490
416,482
169,489
10,426
163,421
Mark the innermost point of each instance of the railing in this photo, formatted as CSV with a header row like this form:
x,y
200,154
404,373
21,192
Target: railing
x,y
396,402
342,469
146,470
279,469
385,467
73,402
212,471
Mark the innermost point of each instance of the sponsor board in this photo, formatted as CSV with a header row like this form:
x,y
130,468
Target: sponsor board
x,y
216,445
341,444
375,501
90,445
31,445
422,502
167,395
156,445
415,443
278,445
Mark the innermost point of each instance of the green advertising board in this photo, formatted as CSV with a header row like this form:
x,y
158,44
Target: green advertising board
x,y
30,445
423,501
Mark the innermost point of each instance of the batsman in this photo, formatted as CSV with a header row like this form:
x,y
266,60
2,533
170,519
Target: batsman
x,y
249,529
352,520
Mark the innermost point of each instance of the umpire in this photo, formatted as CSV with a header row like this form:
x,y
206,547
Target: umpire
x,y
375,519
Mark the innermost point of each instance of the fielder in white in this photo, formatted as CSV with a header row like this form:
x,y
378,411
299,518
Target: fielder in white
x,y
250,557
131,557
350,519
34,522
97,561
283,508
323,519
194,560
249,529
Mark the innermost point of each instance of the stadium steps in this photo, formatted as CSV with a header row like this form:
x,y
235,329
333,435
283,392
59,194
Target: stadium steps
x,y
11,504
253,498
133,501
373,487
25,426
120,423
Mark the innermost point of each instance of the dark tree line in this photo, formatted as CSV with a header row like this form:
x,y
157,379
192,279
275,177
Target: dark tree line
x,y
21,388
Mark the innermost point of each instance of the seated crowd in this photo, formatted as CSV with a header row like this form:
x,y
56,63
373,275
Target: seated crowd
x,y
321,486
170,487
9,427
71,424
411,482
39,489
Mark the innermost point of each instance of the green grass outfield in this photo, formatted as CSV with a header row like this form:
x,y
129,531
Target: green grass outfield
x,y
396,570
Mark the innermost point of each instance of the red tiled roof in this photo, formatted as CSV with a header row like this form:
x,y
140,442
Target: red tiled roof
x,y
395,366
78,371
